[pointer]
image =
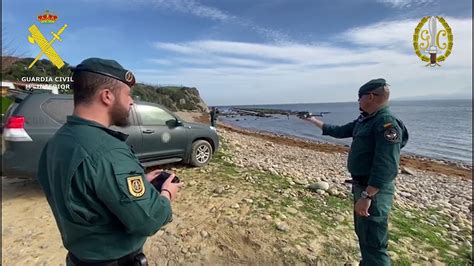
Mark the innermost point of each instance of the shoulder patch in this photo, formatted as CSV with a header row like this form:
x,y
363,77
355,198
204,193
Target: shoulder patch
x,y
136,187
392,135
388,125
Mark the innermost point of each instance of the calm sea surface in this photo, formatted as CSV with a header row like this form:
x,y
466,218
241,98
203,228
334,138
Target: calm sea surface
x,y
440,129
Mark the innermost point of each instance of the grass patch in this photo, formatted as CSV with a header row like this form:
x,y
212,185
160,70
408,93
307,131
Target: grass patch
x,y
269,181
428,237
322,211
5,104
414,229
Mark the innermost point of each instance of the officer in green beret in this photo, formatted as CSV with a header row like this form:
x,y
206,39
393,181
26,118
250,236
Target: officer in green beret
x,y
101,198
374,157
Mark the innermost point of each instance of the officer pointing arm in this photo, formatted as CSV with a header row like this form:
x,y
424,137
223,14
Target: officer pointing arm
x,y
373,160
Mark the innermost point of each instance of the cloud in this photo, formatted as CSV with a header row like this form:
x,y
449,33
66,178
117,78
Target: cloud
x,y
195,8
405,3
398,35
393,34
242,72
304,54
209,61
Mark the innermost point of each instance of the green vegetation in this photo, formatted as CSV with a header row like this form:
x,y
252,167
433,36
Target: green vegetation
x,y
427,238
42,68
5,104
326,210
174,98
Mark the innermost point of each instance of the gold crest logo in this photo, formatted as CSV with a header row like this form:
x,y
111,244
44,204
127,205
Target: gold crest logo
x,y
432,45
136,187
128,76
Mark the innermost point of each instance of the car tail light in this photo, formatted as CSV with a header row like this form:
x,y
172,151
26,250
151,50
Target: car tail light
x,y
15,129
15,122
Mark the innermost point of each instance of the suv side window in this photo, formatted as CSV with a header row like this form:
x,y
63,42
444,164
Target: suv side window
x,y
58,109
153,116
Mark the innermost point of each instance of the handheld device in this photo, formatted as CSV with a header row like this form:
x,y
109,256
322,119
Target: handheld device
x,y
161,178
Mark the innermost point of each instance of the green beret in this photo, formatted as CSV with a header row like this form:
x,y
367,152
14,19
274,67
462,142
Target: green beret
x,y
109,68
372,85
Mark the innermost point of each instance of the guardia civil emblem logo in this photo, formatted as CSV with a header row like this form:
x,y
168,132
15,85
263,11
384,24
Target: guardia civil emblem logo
x,y
433,40
128,76
136,187
45,45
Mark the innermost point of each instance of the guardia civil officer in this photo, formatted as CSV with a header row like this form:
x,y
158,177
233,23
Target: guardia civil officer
x,y
214,113
374,157
103,203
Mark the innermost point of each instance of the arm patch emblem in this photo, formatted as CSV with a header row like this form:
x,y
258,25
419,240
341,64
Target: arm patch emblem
x,y
392,135
136,187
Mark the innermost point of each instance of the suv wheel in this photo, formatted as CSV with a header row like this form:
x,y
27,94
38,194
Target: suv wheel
x,y
201,153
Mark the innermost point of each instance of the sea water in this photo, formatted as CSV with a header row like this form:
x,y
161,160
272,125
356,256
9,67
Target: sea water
x,y
439,129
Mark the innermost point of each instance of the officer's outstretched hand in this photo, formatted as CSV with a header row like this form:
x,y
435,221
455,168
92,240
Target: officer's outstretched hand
x,y
315,121
173,188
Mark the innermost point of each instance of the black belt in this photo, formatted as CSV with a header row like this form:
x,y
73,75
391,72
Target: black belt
x,y
133,259
356,180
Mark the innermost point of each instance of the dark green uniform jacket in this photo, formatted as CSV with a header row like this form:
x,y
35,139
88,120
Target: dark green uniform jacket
x,y
103,204
375,151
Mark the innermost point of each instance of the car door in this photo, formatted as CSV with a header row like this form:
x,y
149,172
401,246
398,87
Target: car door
x,y
162,137
133,131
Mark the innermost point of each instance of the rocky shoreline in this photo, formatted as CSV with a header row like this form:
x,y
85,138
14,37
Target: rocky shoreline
x,y
416,188
457,167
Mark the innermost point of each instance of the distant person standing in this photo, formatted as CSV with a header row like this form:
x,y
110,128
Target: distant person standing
x,y
214,113
374,157
101,198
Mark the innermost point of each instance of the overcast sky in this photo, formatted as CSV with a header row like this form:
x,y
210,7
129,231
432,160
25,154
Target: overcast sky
x,y
257,52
